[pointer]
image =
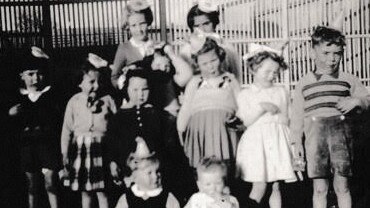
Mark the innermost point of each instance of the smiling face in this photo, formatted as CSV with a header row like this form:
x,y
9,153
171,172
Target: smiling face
x,y
90,83
138,90
32,79
138,26
327,57
211,182
203,23
148,177
209,64
266,72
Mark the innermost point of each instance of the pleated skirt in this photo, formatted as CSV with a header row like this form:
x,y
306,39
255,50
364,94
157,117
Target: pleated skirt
x,y
85,172
207,135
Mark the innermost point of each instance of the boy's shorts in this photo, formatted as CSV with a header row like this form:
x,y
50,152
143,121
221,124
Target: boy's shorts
x,y
328,146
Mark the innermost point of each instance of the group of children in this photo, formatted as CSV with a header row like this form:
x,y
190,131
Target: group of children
x,y
134,139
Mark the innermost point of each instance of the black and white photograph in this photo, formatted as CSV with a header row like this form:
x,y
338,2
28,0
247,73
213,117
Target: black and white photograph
x,y
184,103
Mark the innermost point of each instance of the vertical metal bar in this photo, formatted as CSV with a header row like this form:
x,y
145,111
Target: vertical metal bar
x,y
162,20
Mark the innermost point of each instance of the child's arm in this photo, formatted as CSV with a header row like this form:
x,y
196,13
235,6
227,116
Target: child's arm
x,y
15,110
172,201
67,131
246,112
184,113
122,202
184,72
359,98
296,121
118,63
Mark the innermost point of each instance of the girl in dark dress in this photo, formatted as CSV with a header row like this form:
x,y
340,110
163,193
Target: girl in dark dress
x,y
35,114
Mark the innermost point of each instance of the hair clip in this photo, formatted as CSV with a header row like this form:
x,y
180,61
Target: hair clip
x,y
96,61
207,6
38,52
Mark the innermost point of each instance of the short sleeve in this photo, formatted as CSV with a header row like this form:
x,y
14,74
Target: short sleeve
x,y
122,202
172,202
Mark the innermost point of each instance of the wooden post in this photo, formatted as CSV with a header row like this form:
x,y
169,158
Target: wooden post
x,y
162,19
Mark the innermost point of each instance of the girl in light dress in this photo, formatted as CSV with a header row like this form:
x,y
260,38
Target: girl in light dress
x,y
263,154
209,102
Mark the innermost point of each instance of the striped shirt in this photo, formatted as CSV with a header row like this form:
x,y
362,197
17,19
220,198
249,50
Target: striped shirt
x,y
318,95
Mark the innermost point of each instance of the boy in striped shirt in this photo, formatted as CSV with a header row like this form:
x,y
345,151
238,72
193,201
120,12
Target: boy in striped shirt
x,y
323,101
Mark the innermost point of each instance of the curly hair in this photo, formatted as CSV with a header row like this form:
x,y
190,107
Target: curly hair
x,y
137,72
328,36
195,11
253,63
210,45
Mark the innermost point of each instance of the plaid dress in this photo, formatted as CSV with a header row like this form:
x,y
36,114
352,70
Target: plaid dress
x,y
82,135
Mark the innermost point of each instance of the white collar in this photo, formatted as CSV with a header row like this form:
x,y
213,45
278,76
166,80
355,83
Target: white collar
x,y
34,96
145,194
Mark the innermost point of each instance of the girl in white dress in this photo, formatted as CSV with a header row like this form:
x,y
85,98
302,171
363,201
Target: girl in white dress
x,y
263,154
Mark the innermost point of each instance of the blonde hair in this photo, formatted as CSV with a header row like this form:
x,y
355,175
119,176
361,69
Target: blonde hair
x,y
210,165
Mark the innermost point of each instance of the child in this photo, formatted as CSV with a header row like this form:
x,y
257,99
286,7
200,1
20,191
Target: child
x,y
263,154
84,129
147,190
209,102
204,17
137,17
136,118
36,116
211,174
323,105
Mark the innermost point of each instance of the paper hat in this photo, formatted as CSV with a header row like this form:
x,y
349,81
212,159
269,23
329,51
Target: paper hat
x,y
254,49
138,5
142,150
207,6
96,61
337,23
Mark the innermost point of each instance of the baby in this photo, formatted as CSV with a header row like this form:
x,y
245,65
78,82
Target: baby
x,y
211,174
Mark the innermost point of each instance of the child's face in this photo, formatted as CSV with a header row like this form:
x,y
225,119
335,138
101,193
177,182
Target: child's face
x,y
209,64
327,57
148,178
161,63
203,23
32,78
138,26
90,82
211,183
266,73
138,90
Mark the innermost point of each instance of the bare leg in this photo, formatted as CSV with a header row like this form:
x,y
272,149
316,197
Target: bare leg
x,y
258,191
50,186
86,200
275,198
33,180
320,190
103,200
342,191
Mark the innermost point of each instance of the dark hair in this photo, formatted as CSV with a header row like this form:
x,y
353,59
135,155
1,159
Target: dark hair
x,y
209,45
254,62
195,11
104,77
27,61
328,36
138,72
148,15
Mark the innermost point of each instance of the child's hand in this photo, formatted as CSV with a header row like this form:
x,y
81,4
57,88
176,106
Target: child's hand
x,y
15,110
65,160
168,50
346,104
270,107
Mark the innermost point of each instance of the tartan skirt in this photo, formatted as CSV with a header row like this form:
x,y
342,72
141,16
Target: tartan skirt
x,y
84,171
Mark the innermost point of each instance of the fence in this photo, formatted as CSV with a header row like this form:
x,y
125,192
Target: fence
x,y
63,24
